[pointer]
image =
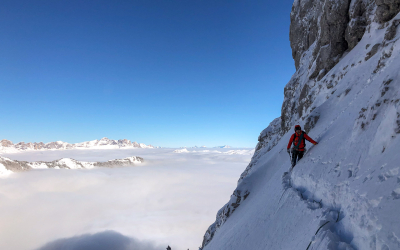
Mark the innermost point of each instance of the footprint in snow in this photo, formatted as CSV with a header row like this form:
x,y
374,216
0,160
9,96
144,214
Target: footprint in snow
x,y
388,174
367,178
396,194
350,173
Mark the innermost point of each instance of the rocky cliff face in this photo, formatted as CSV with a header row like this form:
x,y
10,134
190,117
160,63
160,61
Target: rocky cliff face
x,y
8,146
8,166
321,33
330,27
343,51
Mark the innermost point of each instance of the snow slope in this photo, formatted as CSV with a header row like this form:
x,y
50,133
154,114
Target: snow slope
x,y
345,192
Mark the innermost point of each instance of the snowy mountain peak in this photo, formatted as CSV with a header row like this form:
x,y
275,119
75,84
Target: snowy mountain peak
x,y
103,143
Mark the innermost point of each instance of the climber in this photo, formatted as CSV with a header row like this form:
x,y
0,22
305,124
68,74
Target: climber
x,y
299,142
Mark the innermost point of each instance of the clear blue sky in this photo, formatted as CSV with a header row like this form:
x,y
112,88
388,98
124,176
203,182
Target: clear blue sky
x,y
167,73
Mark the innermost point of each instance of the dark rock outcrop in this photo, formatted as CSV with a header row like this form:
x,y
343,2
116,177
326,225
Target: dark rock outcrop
x,y
311,121
387,9
359,13
321,24
392,30
373,51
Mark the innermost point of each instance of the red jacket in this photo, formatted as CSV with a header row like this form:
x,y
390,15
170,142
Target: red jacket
x,y
302,143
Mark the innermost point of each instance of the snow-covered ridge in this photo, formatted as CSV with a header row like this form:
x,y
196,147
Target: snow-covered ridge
x,y
104,143
8,166
345,192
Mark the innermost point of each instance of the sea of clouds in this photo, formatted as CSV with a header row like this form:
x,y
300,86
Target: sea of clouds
x,y
171,199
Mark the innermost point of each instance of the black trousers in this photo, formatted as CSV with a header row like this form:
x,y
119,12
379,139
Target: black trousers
x,y
296,156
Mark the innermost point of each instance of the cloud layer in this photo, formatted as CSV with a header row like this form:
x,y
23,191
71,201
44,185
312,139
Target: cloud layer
x,y
170,200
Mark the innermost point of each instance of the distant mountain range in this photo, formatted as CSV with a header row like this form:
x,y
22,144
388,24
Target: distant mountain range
x,y
8,166
104,143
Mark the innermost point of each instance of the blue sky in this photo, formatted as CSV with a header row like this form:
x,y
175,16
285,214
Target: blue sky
x,y
167,73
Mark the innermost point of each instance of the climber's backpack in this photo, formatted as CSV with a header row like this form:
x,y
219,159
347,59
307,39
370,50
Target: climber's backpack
x,y
299,141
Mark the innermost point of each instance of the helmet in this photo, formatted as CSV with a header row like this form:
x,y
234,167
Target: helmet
x,y
297,127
